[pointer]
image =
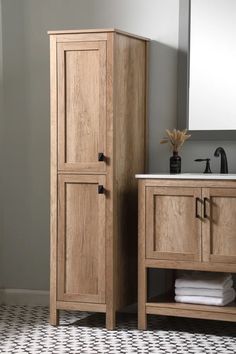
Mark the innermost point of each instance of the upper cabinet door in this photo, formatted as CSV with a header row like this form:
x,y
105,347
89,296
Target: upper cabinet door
x,y
219,225
81,106
173,223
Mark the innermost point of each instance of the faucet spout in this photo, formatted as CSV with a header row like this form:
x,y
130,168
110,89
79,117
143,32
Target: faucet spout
x,y
223,159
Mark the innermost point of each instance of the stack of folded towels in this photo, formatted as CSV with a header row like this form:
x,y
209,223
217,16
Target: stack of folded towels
x,y
204,288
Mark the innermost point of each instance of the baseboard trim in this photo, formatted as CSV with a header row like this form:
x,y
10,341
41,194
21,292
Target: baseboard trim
x,y
24,297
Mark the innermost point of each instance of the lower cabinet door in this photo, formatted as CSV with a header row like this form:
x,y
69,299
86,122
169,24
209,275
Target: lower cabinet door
x,y
81,239
219,225
173,223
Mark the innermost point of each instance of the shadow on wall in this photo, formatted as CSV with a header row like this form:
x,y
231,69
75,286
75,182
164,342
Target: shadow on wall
x,y
162,115
162,102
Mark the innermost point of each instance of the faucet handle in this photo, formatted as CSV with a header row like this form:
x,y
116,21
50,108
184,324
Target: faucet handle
x,y
207,168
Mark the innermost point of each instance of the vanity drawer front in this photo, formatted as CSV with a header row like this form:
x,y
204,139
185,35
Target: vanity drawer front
x,y
173,223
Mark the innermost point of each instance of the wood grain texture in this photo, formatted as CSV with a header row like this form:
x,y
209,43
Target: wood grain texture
x,y
219,226
146,132
82,105
166,230
172,230
81,37
81,239
101,30
130,153
54,319
101,107
142,271
111,260
189,183
197,311
81,306
204,266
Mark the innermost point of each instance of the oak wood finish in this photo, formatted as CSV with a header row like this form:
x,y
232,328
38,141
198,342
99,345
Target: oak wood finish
x,y
81,306
142,270
225,313
99,104
53,183
174,238
169,232
81,105
81,239
129,110
111,284
187,265
219,226
81,37
99,30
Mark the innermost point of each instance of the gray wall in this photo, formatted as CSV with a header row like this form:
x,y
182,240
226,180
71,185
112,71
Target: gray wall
x,y
25,127
1,154
26,134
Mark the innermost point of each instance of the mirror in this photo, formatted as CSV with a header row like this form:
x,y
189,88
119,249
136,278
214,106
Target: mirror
x,y
207,65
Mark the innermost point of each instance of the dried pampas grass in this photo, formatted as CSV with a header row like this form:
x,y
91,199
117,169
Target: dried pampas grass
x,y
175,138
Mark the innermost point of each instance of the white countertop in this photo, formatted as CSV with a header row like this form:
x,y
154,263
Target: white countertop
x,y
188,176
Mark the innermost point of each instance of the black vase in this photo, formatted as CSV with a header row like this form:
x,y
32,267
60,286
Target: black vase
x,y
175,163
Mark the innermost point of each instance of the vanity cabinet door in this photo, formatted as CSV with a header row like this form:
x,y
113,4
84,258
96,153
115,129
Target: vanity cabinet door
x,y
219,225
81,106
81,239
173,223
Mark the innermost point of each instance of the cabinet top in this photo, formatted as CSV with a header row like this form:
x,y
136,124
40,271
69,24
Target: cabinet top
x,y
208,176
104,30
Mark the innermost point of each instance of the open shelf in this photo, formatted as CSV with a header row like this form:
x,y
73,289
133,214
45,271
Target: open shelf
x,y
168,307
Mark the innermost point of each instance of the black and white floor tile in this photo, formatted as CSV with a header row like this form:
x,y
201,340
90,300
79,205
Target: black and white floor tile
x,y
26,330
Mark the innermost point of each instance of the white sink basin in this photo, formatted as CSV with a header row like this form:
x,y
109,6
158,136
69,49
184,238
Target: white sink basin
x,y
189,176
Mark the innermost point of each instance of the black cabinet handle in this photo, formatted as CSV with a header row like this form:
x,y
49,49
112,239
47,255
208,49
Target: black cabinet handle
x,y
101,156
205,207
196,208
101,189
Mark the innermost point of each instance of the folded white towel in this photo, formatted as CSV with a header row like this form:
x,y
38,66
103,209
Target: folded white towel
x,y
206,300
206,292
203,280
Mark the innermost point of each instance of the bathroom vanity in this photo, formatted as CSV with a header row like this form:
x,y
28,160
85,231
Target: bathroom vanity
x,y
188,222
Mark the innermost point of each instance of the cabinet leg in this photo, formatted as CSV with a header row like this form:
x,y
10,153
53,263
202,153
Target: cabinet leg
x,y
142,321
54,317
142,297
110,320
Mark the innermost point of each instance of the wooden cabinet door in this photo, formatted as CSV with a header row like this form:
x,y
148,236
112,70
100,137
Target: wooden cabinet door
x,y
81,239
173,223
219,225
81,105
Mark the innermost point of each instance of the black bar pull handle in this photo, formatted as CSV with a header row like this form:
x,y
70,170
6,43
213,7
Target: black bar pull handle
x,y
101,189
197,200
205,200
101,156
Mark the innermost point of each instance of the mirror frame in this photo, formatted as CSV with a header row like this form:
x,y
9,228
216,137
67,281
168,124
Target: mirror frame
x,y
183,80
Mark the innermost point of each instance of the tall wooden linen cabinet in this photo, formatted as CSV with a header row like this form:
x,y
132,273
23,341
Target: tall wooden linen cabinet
x,y
98,144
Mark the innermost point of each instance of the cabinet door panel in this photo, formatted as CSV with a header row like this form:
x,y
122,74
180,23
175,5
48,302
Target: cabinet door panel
x,y
81,239
172,228
219,225
82,105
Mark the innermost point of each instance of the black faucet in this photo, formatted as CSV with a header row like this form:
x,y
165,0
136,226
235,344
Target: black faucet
x,y
223,162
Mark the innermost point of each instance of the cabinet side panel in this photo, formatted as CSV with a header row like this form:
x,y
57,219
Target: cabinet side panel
x,y
129,122
53,181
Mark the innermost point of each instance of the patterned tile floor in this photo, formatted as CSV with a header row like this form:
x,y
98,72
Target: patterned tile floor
x,y
26,330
